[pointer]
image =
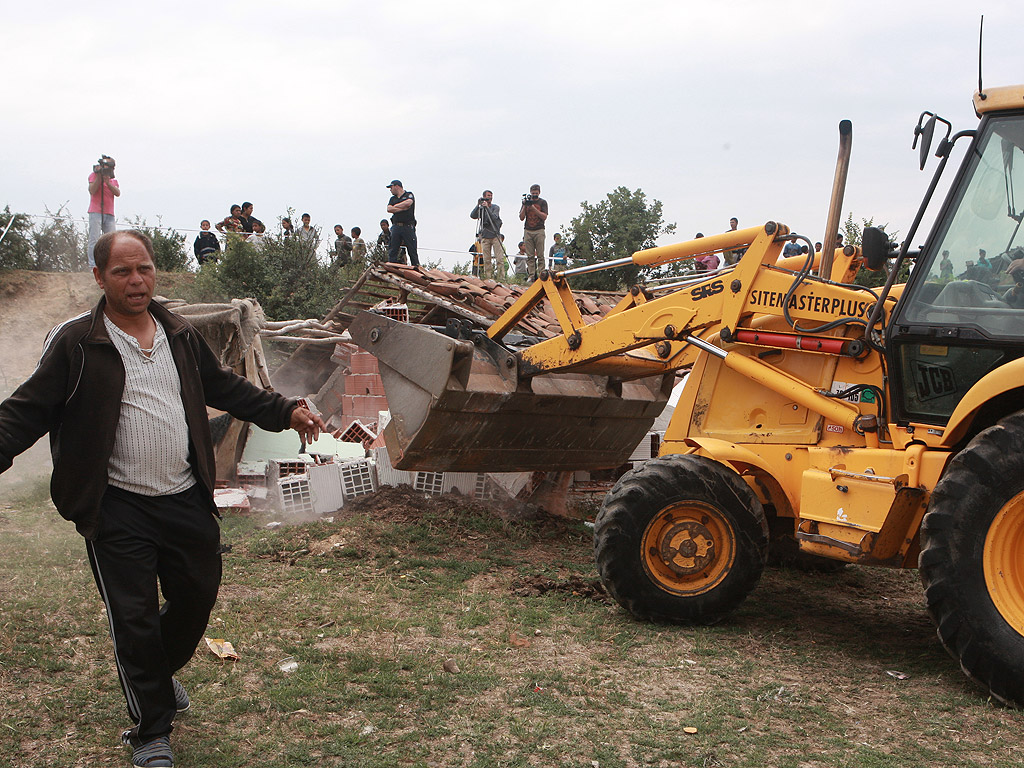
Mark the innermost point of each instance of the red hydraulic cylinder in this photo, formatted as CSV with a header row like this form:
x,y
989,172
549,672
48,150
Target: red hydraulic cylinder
x,y
791,341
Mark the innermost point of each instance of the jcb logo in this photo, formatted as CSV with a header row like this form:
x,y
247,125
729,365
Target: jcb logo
x,y
710,289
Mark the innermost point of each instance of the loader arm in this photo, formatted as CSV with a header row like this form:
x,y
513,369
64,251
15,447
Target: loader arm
x,y
659,324
583,399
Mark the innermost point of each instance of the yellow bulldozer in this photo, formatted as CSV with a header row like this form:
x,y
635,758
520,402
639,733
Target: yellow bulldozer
x,y
822,420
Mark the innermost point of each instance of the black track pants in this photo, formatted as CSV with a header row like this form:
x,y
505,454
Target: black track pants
x,y
140,540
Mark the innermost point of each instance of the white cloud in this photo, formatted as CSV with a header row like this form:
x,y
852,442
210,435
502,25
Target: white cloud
x,y
715,109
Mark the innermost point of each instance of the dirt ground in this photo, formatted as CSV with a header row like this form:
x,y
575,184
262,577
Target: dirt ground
x,y
854,649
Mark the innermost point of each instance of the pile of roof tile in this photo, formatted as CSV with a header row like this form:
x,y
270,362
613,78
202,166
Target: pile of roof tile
x,y
488,299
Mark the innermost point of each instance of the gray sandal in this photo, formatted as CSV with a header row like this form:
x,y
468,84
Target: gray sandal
x,y
181,702
154,754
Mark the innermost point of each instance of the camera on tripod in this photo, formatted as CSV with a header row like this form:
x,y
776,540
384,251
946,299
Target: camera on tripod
x,y
104,166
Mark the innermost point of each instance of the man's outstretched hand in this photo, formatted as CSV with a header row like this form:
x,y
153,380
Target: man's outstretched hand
x,y
309,425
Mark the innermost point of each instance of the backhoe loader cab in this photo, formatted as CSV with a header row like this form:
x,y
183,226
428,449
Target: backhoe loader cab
x,y
962,313
821,421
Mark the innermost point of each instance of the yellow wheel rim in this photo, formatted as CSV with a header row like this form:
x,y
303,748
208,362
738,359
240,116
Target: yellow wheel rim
x,y
1004,569
688,548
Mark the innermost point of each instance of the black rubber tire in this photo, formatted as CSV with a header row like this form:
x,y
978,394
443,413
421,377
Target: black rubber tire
x,y
975,487
659,485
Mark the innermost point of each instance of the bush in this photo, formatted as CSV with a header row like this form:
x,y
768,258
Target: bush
x,y
282,273
170,253
59,244
15,248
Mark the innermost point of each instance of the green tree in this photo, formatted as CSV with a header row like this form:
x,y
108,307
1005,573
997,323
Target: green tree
x,y
614,228
16,246
853,235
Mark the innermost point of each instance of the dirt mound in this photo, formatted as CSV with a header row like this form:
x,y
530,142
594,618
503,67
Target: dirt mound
x,y
404,504
31,303
574,586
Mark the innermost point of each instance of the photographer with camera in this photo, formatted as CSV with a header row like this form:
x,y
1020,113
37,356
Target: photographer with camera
x,y
488,231
103,188
534,212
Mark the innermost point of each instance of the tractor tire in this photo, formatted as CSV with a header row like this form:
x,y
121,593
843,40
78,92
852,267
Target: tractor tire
x,y
972,559
681,539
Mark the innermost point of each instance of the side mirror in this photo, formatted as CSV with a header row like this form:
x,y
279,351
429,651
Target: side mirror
x,y
925,133
874,245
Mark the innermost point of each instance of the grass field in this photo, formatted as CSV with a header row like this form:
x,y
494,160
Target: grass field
x,y
431,632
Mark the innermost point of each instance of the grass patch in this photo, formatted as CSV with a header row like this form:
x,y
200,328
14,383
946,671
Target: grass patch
x,y
448,636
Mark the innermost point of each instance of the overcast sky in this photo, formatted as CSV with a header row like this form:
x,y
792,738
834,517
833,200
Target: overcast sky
x,y
716,109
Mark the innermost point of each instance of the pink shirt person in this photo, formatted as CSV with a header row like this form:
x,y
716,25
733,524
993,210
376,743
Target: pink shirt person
x,y
108,196
710,261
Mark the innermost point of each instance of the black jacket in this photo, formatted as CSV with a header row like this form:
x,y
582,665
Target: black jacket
x,y
204,241
75,395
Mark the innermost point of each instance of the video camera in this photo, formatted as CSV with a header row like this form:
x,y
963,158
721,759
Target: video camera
x,y
104,166
529,199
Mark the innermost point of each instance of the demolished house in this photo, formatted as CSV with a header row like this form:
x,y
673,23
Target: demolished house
x,y
343,382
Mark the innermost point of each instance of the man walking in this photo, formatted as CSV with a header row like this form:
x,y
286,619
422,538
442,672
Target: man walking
x,y
123,392
534,212
402,207
103,188
488,232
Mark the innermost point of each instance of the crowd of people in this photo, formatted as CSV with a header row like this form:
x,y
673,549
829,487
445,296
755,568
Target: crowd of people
x,y
396,242
240,222
348,248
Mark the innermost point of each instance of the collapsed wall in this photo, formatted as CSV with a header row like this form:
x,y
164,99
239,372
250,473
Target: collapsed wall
x,y
344,384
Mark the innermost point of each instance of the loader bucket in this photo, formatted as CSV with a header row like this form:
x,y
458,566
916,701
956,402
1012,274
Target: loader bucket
x,y
462,406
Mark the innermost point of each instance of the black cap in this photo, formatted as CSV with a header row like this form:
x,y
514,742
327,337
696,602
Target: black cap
x,y
396,181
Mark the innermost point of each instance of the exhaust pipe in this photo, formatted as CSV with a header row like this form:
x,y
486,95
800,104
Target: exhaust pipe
x,y
835,208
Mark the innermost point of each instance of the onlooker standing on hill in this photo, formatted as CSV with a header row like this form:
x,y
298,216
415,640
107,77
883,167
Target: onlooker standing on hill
x,y
476,254
206,246
402,207
380,248
307,233
103,188
556,256
488,231
342,246
308,236
258,238
245,218
358,246
520,260
731,257
231,222
534,212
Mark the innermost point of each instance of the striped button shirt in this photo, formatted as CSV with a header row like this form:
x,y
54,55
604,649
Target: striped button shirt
x,y
151,445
